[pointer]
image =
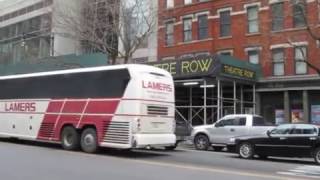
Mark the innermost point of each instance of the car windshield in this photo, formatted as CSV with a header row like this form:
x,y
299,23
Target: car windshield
x,y
282,129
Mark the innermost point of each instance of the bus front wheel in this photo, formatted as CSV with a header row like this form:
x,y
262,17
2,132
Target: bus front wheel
x,y
70,138
89,142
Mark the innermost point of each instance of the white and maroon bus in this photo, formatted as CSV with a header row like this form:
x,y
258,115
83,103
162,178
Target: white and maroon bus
x,y
122,106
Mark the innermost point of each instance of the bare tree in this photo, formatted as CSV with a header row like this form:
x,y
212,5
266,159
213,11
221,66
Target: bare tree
x,y
311,28
311,32
116,28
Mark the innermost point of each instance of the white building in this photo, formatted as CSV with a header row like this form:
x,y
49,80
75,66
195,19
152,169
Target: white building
x,y
28,31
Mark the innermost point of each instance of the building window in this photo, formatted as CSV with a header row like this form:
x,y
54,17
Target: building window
x,y
277,16
187,30
278,62
225,23
253,19
299,13
199,54
169,34
186,56
253,56
168,58
226,52
300,56
187,1
169,3
203,27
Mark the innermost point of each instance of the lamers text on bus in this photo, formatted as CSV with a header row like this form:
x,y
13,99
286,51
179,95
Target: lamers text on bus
x,y
20,107
156,86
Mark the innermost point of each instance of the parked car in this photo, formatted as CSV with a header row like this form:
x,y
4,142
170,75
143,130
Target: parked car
x,y
288,140
218,135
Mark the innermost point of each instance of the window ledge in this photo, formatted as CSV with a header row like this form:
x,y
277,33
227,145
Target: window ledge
x,y
276,76
195,41
289,29
186,5
169,8
253,34
168,46
225,37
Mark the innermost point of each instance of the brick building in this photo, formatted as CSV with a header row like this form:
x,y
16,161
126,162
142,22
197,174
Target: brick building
x,y
271,33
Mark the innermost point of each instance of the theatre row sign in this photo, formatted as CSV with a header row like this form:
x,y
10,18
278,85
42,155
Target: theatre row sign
x,y
203,66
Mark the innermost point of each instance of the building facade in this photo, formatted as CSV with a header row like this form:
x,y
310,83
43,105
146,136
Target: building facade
x,y
279,35
28,32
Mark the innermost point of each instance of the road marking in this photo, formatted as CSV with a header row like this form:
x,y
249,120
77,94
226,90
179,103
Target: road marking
x,y
216,170
303,171
194,168
180,166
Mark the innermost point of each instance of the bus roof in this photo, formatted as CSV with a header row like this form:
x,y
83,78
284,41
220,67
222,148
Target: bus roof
x,y
131,67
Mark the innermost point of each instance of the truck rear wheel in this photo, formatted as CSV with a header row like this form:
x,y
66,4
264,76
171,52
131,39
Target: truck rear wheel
x,y
70,138
89,141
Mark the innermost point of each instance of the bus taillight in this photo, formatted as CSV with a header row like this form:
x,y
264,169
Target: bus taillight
x,y
138,124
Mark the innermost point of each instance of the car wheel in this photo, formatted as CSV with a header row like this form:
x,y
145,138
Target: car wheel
x,y
246,150
70,138
201,142
217,148
316,155
89,142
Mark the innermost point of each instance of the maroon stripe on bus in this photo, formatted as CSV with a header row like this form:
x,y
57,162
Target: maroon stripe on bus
x,y
102,107
47,127
74,106
54,106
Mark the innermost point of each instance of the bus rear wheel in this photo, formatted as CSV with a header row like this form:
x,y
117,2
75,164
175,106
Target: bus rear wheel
x,y
70,138
89,142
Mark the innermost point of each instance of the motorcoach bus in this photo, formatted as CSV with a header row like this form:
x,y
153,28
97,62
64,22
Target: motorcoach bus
x,y
122,106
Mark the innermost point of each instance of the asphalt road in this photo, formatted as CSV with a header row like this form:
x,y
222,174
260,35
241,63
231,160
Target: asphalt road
x,y
38,161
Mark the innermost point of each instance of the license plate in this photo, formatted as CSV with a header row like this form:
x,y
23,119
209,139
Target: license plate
x,y
157,124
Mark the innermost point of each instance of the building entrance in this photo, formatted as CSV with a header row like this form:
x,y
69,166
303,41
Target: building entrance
x,y
209,87
204,101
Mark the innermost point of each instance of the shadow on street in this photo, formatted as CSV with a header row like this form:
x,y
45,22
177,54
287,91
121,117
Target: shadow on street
x,y
143,153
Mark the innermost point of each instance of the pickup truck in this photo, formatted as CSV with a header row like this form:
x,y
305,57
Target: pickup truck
x,y
221,133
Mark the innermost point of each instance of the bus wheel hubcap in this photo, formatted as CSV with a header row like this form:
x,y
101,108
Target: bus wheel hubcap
x,y
68,140
89,140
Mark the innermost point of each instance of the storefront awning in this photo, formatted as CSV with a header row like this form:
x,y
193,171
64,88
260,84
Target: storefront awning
x,y
211,66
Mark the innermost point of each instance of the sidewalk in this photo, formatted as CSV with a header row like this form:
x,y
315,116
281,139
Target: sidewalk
x,y
186,145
